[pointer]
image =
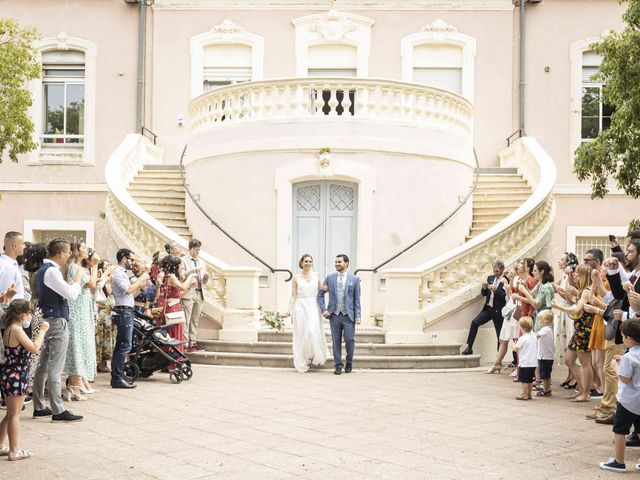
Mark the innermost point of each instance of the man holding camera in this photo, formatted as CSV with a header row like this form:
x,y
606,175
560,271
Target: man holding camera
x,y
123,292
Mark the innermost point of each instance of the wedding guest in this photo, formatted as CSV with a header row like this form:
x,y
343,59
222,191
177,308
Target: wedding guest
x,y
628,409
510,327
193,298
527,353
546,352
541,297
169,298
54,294
14,376
34,258
145,300
563,323
579,345
9,268
80,365
105,331
493,291
123,293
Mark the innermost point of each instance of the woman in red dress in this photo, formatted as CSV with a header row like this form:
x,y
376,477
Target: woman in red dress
x,y
170,292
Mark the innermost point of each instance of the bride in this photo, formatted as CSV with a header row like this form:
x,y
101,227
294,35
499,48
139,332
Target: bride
x,y
309,343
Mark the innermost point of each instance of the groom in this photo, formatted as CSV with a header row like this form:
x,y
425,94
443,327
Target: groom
x,y
343,311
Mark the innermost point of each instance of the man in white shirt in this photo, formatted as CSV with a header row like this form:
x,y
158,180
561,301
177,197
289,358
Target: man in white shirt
x,y
9,269
193,299
53,294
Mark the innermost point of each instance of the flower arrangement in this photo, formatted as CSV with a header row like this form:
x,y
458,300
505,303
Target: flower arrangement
x,y
274,320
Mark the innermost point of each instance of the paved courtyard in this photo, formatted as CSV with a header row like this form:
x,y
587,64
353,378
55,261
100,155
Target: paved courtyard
x,y
237,423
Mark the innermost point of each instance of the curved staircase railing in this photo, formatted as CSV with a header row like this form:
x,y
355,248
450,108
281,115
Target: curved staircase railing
x,y
231,295
418,297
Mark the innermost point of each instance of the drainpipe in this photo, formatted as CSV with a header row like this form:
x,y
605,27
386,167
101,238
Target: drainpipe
x,y
523,10
141,39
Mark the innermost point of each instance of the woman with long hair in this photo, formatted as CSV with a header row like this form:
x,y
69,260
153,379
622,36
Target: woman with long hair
x,y
563,325
34,258
579,344
541,297
80,364
309,343
172,288
510,327
105,330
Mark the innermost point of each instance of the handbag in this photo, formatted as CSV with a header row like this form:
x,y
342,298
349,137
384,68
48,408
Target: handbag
x,y
508,309
612,325
174,318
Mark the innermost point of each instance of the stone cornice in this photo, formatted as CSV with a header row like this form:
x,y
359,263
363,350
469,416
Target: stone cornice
x,y
52,187
342,5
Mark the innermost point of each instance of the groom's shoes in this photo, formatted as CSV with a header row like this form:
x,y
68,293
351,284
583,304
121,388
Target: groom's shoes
x,y
467,351
347,368
338,371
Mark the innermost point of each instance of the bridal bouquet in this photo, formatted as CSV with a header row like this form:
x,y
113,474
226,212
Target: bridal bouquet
x,y
274,320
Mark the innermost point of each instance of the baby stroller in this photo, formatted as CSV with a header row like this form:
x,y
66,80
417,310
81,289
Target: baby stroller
x,y
153,350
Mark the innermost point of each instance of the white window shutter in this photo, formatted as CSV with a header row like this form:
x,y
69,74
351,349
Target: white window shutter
x,y
445,78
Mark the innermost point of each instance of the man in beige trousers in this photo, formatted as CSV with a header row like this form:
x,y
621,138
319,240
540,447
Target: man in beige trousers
x,y
193,299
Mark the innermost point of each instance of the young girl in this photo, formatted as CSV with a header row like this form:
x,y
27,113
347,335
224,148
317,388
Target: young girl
x,y
14,376
527,348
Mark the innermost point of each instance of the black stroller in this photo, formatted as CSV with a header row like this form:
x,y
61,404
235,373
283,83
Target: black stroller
x,y
153,350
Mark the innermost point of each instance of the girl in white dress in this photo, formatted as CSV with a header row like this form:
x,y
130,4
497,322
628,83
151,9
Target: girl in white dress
x,y
309,343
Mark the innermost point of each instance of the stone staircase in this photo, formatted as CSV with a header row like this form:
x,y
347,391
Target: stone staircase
x,y
273,349
161,193
496,196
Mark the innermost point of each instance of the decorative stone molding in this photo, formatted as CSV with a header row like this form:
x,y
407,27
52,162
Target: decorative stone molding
x,y
440,32
226,32
333,27
228,27
439,25
289,5
62,39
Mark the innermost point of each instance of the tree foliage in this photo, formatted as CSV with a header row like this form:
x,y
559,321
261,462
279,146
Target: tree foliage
x,y
615,153
18,64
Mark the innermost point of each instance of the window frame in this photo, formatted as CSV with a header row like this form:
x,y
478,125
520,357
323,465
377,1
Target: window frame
x,y
87,226
68,153
441,33
226,33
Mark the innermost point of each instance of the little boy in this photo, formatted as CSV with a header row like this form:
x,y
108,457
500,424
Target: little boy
x,y
546,350
628,410
528,355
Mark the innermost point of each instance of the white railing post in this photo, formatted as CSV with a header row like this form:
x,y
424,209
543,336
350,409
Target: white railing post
x,y
241,317
403,322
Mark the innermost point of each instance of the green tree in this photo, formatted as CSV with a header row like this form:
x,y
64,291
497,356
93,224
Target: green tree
x,y
615,153
18,64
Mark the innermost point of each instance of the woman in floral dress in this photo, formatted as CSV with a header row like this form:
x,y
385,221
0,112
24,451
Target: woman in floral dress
x,y
80,365
105,330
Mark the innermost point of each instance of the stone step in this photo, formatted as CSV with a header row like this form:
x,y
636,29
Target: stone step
x,y
514,199
155,187
159,173
172,208
286,336
362,361
493,213
284,348
502,186
168,216
138,180
485,224
490,205
158,195
501,178
526,191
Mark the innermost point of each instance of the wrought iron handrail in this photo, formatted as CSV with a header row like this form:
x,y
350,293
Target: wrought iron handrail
x,y
515,135
154,136
455,210
219,227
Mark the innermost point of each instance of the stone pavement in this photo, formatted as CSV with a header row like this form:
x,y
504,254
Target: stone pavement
x,y
241,423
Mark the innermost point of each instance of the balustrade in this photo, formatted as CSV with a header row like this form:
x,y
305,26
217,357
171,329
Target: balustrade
x,y
336,98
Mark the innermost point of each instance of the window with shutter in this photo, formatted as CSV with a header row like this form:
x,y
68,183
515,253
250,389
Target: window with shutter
x,y
445,78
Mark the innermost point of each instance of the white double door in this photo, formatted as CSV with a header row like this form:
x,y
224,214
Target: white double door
x,y
325,223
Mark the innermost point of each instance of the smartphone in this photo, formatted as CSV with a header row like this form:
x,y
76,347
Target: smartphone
x,y
612,238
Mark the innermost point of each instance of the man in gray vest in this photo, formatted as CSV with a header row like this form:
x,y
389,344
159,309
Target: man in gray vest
x,y
54,293
193,299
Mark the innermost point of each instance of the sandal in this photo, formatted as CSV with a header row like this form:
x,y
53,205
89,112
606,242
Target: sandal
x,y
523,397
4,452
19,455
580,400
543,393
571,386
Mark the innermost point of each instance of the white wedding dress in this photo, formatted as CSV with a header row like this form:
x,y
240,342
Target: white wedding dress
x,y
309,343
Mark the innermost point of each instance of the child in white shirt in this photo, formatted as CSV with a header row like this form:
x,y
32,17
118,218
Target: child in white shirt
x,y
546,350
527,348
